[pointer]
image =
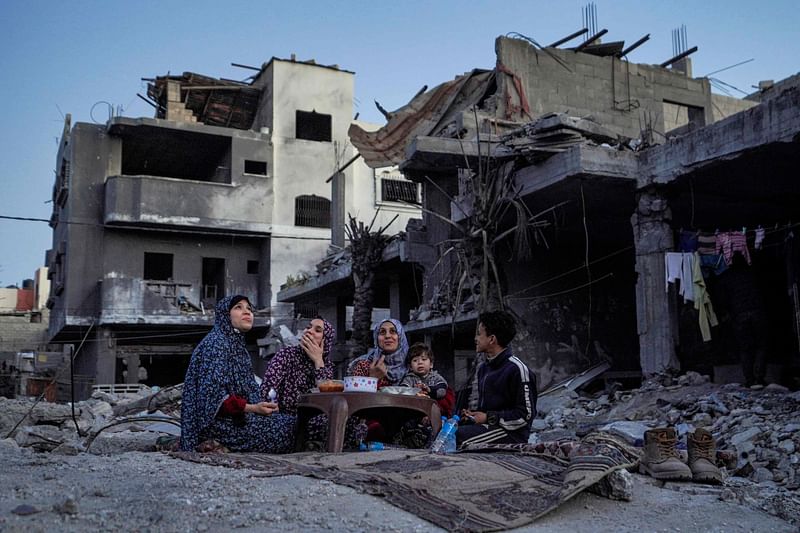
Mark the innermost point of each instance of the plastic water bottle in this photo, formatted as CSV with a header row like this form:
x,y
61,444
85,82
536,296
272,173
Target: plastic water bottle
x,y
371,446
448,431
450,445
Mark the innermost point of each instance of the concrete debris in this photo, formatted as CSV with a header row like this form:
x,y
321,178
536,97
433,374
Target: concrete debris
x,y
67,507
757,431
617,486
633,432
49,427
24,510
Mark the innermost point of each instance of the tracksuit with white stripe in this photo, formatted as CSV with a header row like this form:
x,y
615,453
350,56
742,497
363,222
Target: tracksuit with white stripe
x,y
507,394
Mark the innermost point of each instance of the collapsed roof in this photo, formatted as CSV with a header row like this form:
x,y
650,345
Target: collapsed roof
x,y
213,101
430,113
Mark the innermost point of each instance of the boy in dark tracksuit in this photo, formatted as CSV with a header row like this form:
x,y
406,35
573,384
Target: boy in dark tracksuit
x,y
506,388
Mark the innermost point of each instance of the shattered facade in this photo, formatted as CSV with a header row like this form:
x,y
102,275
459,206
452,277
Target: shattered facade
x,y
612,159
223,192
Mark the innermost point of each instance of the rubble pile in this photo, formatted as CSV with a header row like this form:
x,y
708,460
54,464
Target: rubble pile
x,y
50,427
757,430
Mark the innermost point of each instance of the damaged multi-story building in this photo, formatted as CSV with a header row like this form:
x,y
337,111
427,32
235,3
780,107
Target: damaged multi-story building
x,y
606,163
225,191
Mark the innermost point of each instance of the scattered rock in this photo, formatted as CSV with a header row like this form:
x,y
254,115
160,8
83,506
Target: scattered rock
x,y
762,474
618,485
67,507
24,510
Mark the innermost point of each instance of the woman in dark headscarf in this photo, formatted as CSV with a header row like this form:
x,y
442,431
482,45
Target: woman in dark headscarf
x,y
221,399
295,370
386,360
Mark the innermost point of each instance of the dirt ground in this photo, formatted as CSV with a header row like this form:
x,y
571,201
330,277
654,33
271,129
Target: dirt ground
x,y
154,492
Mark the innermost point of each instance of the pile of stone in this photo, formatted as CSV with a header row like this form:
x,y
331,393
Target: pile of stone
x,y
52,427
757,430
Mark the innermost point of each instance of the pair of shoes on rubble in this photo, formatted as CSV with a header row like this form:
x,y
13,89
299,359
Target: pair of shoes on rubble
x,y
661,459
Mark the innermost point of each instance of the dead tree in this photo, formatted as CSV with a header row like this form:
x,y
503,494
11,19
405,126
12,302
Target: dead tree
x,y
366,249
473,279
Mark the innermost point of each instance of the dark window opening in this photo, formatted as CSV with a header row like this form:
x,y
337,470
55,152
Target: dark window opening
x,y
258,168
682,117
176,154
399,191
157,266
306,310
213,280
252,267
313,126
312,211
62,188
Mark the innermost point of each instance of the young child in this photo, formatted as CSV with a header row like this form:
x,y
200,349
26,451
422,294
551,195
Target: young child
x,y
421,374
506,388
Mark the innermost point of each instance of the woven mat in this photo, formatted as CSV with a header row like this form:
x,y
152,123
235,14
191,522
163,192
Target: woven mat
x,y
492,488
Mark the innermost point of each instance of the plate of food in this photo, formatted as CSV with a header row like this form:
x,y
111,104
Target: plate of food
x,y
330,385
395,389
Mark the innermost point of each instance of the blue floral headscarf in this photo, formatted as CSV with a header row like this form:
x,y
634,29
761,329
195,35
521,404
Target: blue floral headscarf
x,y
395,361
220,367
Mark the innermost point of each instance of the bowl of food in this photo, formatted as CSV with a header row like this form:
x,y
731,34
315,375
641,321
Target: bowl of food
x,y
360,384
330,385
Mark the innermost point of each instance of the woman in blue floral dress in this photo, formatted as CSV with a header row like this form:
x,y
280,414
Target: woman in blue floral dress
x,y
221,399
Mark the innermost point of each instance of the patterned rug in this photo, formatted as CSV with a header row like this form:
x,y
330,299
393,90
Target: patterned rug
x,y
490,488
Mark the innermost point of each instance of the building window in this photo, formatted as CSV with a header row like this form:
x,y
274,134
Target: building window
x,y
157,266
313,126
399,191
312,211
62,189
257,168
252,267
306,310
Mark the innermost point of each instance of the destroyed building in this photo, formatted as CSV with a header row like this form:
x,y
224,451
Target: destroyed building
x,y
608,161
223,192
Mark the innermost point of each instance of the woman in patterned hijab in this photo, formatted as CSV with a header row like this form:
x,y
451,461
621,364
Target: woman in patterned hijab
x,y
295,370
387,359
221,399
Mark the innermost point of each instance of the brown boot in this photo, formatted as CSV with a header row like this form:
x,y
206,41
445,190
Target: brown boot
x,y
702,453
660,457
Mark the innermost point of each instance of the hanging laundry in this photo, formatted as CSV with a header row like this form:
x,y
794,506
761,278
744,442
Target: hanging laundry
x,y
687,241
713,265
759,238
702,301
678,268
706,243
731,242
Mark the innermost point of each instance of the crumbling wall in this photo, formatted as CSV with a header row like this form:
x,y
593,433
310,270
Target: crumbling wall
x,y
724,106
622,96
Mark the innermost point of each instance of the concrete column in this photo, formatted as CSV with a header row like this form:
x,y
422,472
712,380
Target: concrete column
x,y
264,273
652,237
337,209
133,369
106,354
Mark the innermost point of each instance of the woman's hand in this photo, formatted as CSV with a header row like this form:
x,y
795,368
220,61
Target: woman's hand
x,y
377,369
261,408
313,350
